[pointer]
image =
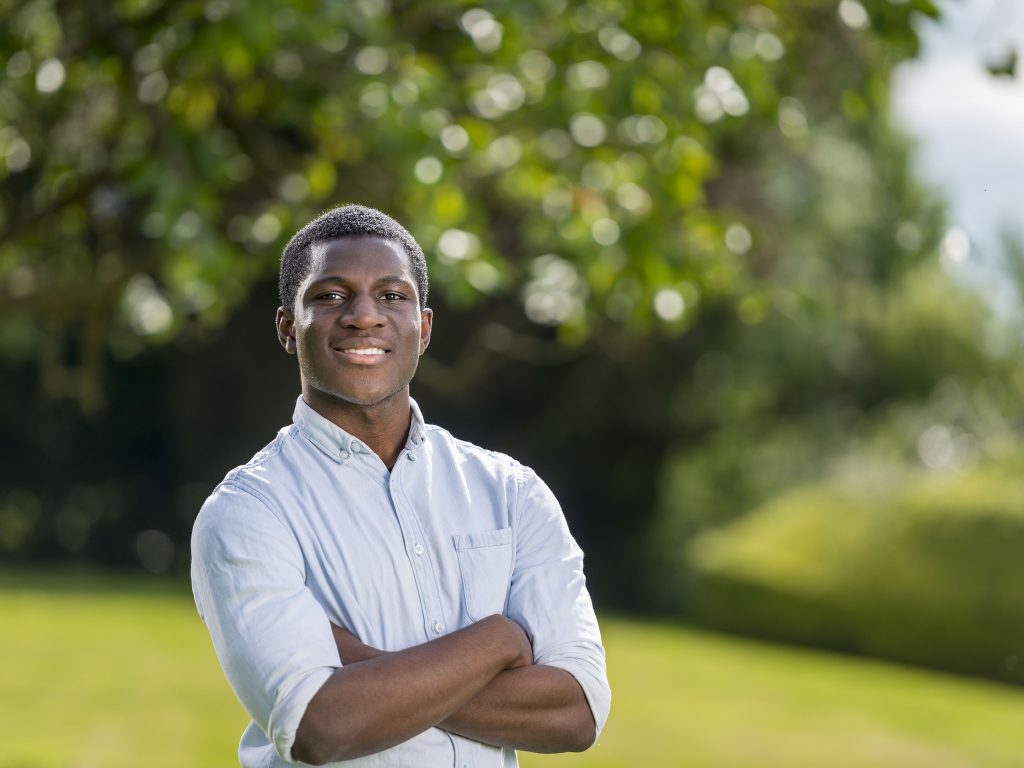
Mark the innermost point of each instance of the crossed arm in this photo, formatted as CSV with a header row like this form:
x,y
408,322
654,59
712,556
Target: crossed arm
x,y
479,682
482,682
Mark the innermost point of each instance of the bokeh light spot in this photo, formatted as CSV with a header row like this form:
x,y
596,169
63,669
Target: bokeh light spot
x,y
50,76
587,130
669,304
428,170
853,14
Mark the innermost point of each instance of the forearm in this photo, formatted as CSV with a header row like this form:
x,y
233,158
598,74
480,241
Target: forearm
x,y
535,708
367,707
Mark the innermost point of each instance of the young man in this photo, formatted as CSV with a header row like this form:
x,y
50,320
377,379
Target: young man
x,y
377,591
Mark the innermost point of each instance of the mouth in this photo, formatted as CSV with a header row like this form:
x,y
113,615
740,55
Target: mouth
x,y
363,355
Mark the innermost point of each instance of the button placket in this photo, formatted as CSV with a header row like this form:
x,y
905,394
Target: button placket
x,y
421,562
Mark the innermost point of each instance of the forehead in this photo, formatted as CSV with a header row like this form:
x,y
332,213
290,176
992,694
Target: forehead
x,y
360,255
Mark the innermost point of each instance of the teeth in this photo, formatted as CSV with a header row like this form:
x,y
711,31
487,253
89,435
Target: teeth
x,y
366,351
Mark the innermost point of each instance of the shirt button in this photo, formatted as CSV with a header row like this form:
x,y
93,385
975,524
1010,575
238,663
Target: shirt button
x,y
344,455
418,549
412,456
438,627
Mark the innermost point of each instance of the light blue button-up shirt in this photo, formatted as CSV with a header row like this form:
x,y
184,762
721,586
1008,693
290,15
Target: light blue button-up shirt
x,y
315,529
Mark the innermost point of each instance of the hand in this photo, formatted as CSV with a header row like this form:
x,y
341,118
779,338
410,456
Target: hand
x,y
351,649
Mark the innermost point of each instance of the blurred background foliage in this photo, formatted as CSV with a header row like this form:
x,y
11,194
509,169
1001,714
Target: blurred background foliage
x,y
679,260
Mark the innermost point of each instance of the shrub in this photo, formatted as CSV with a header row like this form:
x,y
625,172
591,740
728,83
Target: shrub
x,y
921,568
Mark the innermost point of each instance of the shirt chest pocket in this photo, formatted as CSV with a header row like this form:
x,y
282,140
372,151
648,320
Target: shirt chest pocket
x,y
485,567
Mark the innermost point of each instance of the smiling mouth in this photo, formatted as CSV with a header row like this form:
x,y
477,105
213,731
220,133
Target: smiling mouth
x,y
362,354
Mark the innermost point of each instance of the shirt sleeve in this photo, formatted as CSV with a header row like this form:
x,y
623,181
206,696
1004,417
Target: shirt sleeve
x,y
272,637
549,599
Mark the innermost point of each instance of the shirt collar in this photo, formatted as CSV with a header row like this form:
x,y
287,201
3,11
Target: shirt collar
x,y
417,433
339,444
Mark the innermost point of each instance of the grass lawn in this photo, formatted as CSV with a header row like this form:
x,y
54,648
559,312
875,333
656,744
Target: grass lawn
x,y
119,673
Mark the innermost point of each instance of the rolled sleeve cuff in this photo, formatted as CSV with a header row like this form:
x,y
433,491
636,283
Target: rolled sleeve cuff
x,y
594,683
289,710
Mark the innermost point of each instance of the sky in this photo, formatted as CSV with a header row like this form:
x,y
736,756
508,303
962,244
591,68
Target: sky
x,y
969,126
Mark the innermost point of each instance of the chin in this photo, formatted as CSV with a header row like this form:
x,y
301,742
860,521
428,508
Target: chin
x,y
360,398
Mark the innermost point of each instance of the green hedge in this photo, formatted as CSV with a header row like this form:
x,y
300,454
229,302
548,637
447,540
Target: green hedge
x,y
921,568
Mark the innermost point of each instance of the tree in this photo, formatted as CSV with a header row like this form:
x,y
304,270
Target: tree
x,y
664,226
593,159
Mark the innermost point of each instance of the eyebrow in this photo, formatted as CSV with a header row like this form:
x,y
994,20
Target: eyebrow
x,y
394,279
380,281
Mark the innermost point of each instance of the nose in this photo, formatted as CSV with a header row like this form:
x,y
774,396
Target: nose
x,y
362,312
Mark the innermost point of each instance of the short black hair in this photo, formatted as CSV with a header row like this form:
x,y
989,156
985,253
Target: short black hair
x,y
345,221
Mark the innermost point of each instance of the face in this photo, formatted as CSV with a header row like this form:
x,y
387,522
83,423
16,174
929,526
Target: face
x,y
356,326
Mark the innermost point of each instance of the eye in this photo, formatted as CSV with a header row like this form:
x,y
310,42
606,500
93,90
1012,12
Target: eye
x,y
392,296
330,296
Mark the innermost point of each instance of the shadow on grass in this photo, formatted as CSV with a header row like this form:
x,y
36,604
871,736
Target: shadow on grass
x,y
80,579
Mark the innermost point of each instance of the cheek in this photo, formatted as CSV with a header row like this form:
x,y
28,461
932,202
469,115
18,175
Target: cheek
x,y
309,327
309,344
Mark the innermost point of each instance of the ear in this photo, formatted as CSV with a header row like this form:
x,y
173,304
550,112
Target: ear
x,y
426,323
285,322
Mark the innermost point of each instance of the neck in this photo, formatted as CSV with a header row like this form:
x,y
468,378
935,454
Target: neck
x,y
383,426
